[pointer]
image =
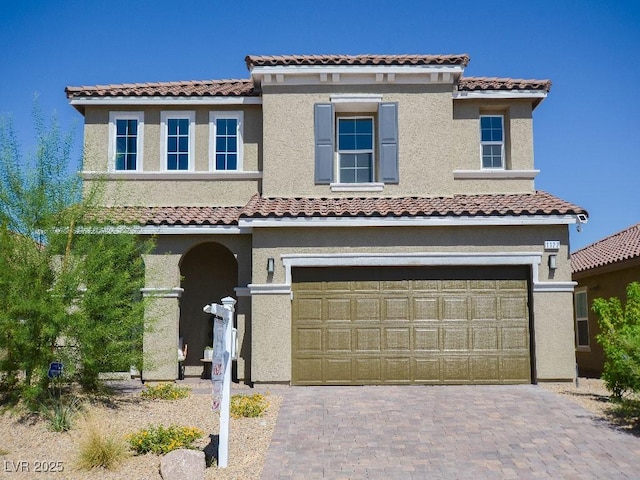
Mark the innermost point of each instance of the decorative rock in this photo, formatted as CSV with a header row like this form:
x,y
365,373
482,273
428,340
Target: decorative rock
x,y
183,464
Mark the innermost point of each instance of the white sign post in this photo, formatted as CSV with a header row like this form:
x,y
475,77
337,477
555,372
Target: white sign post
x,y
223,352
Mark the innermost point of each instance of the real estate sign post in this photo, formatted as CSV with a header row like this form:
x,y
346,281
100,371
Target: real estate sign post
x,y
221,370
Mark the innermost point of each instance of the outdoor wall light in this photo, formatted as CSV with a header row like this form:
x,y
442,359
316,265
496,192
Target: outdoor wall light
x,y
552,262
270,265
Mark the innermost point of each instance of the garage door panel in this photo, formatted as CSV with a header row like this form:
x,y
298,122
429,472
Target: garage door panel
x,y
368,340
485,338
397,339
427,370
367,309
308,340
455,338
338,340
386,327
397,369
337,370
368,370
397,309
338,310
426,339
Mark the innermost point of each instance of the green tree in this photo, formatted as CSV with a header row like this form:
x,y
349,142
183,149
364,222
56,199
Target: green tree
x,y
620,339
69,288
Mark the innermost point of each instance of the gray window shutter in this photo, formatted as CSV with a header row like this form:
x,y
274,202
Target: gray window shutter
x,y
388,134
323,124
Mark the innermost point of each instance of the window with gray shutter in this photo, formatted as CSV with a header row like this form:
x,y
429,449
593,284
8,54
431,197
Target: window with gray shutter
x,y
388,134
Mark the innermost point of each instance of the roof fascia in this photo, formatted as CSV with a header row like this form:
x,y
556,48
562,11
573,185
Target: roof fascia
x,y
409,221
536,95
160,100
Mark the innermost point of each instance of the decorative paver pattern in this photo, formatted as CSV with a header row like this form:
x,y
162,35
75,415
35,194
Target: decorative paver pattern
x,y
443,432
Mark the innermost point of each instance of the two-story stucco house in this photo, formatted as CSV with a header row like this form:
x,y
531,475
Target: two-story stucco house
x,y
375,216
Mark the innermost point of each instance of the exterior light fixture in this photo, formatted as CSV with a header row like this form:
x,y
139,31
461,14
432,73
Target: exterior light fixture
x,y
552,262
270,265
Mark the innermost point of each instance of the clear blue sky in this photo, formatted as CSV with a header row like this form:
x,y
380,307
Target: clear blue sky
x,y
587,132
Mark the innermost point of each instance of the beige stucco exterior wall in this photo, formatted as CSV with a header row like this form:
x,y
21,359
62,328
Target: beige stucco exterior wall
x,y
271,313
163,283
606,282
436,137
122,189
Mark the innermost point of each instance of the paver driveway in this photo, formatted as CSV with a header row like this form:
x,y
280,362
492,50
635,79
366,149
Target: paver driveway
x,y
433,432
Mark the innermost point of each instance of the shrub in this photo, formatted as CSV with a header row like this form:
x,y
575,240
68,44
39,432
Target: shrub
x,y
165,391
99,449
248,405
620,339
160,439
60,413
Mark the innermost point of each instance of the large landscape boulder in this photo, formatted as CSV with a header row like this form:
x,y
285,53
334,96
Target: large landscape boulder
x,y
183,464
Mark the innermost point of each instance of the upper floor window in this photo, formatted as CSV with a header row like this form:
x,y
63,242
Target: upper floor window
x,y
125,144
178,140
356,149
492,141
225,150
582,318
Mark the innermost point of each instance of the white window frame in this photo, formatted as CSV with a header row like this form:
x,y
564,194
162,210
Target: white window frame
x,y
372,150
113,117
492,143
164,117
213,117
580,292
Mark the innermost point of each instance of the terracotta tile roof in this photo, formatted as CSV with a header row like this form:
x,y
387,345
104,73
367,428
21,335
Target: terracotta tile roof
x,y
204,88
493,83
624,245
159,216
307,60
538,203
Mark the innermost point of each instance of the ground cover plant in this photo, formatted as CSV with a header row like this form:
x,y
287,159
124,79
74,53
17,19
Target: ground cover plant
x,y
248,405
165,391
160,439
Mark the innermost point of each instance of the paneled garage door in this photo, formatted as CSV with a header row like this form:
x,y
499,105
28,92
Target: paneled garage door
x,y
410,325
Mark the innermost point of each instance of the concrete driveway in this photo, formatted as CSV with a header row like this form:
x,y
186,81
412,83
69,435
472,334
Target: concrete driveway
x,y
443,432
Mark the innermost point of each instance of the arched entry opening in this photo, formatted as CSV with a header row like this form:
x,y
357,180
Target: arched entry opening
x,y
209,273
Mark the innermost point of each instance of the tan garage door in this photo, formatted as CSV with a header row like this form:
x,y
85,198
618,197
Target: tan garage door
x,y
410,325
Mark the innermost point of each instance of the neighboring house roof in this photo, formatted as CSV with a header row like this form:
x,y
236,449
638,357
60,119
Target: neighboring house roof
x,y
306,60
493,83
621,246
203,88
538,203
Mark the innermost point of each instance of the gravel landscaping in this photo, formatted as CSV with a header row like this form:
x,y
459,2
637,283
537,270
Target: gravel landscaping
x,y
27,444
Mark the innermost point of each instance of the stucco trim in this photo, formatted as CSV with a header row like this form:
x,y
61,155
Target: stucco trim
x,y
495,174
554,286
357,187
162,292
410,259
166,175
269,288
122,100
170,230
495,94
408,221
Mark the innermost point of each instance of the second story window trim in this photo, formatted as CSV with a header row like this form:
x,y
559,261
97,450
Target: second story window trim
x,y
226,130
492,151
126,141
177,140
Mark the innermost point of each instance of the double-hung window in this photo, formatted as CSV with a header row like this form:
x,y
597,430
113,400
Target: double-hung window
x,y
492,141
178,140
355,149
582,318
225,152
125,145
356,146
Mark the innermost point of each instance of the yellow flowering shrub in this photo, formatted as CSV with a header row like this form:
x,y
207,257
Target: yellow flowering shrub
x,y
248,405
159,439
165,391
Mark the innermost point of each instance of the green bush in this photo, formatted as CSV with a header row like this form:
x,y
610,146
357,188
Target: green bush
x,y
160,439
60,413
620,339
98,449
165,391
248,405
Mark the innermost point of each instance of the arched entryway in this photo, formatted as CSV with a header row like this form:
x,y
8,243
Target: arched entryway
x,y
209,272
